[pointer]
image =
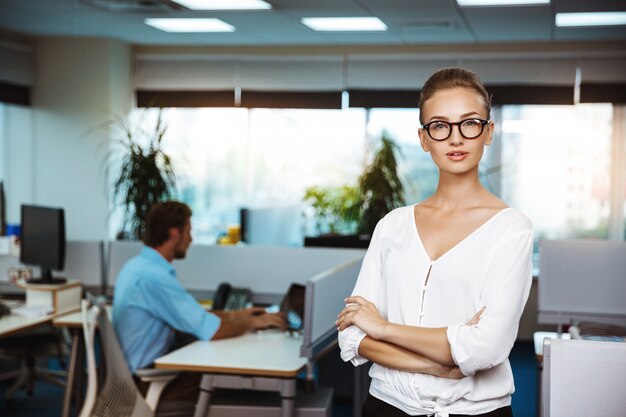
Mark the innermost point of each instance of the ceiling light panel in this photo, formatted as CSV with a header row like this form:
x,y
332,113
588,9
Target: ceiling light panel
x,y
190,25
487,3
590,19
344,24
225,4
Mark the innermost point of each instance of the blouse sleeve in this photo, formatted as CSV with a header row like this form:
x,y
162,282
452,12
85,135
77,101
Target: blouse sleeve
x,y
489,343
367,285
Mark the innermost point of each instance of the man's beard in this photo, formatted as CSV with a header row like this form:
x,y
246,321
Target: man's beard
x,y
180,253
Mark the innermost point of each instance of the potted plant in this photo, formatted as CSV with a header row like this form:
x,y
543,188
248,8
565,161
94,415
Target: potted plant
x,y
358,208
380,186
141,171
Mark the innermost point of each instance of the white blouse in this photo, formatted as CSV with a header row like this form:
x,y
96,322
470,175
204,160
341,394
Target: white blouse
x,y
491,267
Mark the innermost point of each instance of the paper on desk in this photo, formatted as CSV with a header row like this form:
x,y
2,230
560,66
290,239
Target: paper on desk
x,y
32,311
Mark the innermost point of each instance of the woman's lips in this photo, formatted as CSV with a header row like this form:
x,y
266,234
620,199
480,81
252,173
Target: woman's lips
x,y
457,155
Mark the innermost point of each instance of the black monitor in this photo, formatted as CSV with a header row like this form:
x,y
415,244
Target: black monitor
x,y
43,241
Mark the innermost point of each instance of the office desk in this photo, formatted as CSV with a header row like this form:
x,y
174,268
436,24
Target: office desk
x,y
269,361
12,324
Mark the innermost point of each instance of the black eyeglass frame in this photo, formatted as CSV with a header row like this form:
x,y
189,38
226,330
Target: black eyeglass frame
x,y
458,124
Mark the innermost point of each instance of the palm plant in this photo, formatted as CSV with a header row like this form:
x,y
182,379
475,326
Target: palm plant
x,y
380,186
143,175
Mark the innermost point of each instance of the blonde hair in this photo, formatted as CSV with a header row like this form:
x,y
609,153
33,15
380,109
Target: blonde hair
x,y
448,78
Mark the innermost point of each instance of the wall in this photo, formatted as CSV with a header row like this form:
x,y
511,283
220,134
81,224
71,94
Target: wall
x,y
79,84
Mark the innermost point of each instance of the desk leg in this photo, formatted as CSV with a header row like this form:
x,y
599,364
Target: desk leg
x,y
288,397
204,397
71,372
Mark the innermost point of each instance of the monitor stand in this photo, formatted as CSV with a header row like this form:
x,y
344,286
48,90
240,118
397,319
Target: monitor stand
x,y
47,278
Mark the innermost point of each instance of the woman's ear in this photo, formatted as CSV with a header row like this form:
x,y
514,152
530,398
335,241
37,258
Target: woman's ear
x,y
489,137
423,139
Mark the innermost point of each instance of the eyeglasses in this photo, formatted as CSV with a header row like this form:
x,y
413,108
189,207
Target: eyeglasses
x,y
469,128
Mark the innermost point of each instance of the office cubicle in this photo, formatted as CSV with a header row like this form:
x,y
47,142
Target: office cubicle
x,y
268,271
582,280
84,261
583,378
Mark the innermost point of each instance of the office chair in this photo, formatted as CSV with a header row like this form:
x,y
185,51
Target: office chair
x,y
119,396
26,348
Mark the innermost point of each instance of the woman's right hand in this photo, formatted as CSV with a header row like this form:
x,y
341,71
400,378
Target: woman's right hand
x,y
474,320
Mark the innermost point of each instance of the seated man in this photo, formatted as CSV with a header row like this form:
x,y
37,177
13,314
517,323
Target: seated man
x,y
150,305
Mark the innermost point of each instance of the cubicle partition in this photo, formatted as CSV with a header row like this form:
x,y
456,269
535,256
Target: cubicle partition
x,y
325,295
582,280
265,270
84,261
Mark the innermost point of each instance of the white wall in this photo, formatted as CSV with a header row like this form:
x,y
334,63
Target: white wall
x,y
16,152
79,84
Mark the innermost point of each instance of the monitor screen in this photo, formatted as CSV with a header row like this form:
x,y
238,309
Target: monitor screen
x,y
43,241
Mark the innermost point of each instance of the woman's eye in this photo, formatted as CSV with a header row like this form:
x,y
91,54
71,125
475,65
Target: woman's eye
x,y
470,123
439,126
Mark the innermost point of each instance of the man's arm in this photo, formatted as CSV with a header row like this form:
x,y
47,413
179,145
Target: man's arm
x,y
395,357
235,323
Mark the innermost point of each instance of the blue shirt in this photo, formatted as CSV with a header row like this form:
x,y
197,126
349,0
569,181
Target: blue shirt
x,y
149,303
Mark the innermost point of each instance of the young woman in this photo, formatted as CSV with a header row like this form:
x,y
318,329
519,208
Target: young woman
x,y
442,287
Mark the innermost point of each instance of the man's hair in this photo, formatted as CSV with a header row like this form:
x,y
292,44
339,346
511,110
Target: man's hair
x,y
449,78
161,218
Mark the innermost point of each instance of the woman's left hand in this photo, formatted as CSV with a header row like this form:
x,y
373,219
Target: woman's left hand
x,y
364,315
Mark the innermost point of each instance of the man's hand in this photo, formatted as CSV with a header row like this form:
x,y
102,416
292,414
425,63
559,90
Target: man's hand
x,y
260,319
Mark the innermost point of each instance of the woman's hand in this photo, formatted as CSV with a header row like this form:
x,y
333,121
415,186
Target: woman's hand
x,y
474,320
364,315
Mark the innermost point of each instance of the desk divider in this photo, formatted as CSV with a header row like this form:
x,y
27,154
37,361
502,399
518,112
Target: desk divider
x,y
84,261
325,295
582,280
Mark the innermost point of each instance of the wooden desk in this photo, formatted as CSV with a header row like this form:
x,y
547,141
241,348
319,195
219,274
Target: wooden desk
x,y
12,324
269,360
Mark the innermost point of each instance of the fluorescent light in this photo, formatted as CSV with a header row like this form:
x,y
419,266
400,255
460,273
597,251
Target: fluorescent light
x,y
190,25
470,3
591,19
343,24
225,4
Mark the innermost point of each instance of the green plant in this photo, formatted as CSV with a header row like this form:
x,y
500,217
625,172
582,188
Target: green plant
x,y
380,186
358,208
337,207
142,172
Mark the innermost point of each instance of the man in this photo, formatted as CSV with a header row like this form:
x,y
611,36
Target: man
x,y
150,305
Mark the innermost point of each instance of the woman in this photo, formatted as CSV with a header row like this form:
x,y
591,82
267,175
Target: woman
x,y
460,254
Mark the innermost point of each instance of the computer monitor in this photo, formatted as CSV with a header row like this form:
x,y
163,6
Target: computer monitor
x,y
43,241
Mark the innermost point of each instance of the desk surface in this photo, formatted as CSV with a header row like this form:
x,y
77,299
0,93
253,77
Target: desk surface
x,y
266,353
12,324
75,319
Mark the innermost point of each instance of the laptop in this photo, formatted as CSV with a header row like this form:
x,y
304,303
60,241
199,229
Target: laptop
x,y
292,305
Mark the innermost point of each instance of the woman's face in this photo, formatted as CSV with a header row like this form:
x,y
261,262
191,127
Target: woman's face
x,y
456,154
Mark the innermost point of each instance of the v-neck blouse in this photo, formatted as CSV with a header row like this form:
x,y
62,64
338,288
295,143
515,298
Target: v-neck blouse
x,y
490,267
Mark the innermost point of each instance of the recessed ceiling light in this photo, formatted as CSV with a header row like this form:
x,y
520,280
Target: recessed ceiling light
x,y
591,19
469,3
225,4
344,24
190,25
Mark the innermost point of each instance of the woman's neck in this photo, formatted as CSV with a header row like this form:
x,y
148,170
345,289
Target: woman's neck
x,y
459,191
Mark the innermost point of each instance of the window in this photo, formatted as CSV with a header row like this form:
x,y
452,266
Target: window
x,y
551,162
556,165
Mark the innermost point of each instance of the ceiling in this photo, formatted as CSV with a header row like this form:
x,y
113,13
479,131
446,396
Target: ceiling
x,y
410,22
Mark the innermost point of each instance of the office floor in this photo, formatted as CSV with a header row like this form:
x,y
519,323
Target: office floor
x,y
48,398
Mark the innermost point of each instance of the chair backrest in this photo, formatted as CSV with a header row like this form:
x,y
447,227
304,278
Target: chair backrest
x,y
583,378
119,396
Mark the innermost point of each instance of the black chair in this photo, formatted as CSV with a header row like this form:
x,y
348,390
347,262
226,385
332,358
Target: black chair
x,y
26,349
